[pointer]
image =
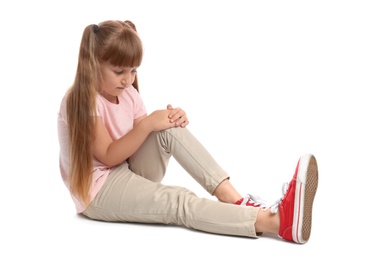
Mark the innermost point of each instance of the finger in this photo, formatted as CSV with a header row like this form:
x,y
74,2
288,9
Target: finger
x,y
182,121
175,114
185,123
169,107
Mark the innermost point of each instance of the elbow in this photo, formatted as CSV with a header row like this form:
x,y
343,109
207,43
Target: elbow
x,y
111,162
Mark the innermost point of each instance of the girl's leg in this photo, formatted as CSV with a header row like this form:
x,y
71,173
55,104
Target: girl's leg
x,y
151,161
134,198
128,197
294,208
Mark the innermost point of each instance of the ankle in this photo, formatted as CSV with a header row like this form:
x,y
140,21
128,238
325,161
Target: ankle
x,y
267,222
225,192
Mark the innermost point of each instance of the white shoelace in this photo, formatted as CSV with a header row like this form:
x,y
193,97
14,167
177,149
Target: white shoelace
x,y
275,206
255,200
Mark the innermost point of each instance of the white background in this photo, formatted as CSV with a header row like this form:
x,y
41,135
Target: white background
x,y
263,82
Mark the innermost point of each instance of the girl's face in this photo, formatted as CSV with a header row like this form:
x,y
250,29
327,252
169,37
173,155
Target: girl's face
x,y
115,80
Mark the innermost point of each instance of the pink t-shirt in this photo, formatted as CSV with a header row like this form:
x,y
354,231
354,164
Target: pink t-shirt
x,y
118,119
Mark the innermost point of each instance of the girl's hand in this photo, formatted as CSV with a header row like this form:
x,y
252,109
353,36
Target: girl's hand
x,y
159,120
177,116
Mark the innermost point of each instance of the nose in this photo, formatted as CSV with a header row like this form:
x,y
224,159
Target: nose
x,y
123,83
127,79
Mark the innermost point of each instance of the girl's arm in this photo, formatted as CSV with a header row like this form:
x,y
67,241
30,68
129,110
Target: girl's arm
x,y
111,152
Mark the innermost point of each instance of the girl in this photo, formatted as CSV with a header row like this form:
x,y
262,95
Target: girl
x,y
113,155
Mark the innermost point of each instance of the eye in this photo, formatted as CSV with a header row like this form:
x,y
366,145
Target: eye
x,y
118,72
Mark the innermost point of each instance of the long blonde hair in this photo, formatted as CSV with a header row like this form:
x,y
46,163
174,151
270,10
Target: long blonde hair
x,y
118,43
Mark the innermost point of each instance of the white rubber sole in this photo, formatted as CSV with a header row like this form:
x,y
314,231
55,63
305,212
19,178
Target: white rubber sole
x,y
306,186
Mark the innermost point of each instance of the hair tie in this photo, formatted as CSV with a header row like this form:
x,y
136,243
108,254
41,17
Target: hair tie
x,y
95,28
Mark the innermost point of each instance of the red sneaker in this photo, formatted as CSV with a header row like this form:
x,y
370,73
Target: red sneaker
x,y
295,206
252,201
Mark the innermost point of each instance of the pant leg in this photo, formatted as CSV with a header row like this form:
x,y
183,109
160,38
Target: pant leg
x,y
128,197
151,159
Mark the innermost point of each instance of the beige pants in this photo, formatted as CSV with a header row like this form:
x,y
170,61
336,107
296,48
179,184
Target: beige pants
x,y
133,192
